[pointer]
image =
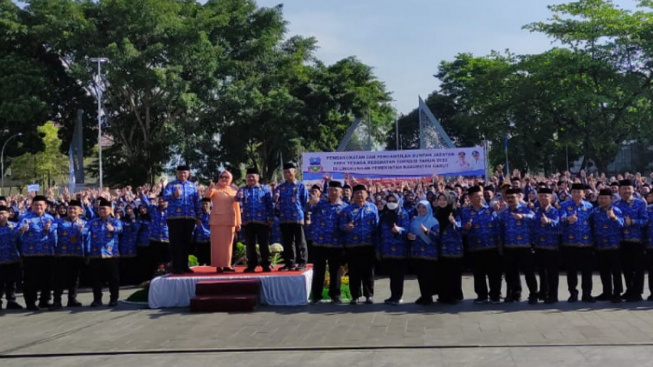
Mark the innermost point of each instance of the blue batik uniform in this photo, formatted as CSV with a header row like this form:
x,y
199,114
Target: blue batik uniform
x,y
451,241
9,244
293,197
129,237
513,232
484,231
545,236
37,241
143,239
649,227
257,204
394,245
101,242
158,224
188,204
636,210
421,249
365,219
578,234
325,217
71,238
203,233
607,232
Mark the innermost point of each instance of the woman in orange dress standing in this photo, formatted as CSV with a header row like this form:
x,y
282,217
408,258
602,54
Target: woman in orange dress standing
x,y
224,221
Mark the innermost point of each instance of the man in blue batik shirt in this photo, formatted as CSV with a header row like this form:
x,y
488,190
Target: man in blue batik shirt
x,y
183,213
69,254
607,222
9,260
633,246
38,238
292,197
257,219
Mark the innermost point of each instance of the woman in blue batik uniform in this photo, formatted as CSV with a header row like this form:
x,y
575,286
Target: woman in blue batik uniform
x,y
424,234
392,247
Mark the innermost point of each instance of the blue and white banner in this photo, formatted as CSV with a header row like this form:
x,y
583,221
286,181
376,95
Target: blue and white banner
x,y
395,164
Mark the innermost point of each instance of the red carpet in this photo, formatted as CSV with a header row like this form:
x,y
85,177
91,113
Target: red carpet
x,y
211,271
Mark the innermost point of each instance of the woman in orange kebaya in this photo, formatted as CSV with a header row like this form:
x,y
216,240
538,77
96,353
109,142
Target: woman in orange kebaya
x,y
224,221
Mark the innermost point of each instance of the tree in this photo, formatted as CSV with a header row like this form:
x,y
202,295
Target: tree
x,y
46,167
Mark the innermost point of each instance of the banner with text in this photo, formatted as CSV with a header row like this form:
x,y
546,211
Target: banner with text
x,y
394,164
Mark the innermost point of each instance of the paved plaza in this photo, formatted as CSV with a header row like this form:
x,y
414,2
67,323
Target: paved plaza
x,y
579,334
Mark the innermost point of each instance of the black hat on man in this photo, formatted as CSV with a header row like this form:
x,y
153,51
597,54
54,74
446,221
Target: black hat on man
x,y
625,183
183,167
513,191
605,192
3,208
75,203
316,187
545,190
335,184
359,188
252,171
104,202
473,190
40,198
289,165
578,186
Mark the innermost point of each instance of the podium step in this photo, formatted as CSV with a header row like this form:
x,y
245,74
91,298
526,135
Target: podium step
x,y
228,286
224,303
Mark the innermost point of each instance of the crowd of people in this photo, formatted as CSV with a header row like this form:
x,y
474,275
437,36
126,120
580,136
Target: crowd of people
x,y
501,227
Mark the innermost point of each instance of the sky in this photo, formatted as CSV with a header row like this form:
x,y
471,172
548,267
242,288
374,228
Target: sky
x,y
405,40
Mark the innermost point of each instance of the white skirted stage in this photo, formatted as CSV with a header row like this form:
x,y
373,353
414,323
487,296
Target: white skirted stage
x,y
290,288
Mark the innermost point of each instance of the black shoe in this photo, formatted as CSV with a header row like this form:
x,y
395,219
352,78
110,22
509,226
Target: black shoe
x,y
392,301
573,298
634,298
33,307
424,301
482,300
369,301
286,268
588,299
336,301
45,304
509,300
616,299
56,305
315,301
228,269
494,300
113,303
188,271
650,298
96,303
250,270
13,306
604,297
532,300
353,302
267,269
74,303
550,301
300,267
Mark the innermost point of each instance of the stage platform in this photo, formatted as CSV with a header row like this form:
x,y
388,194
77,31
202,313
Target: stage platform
x,y
287,288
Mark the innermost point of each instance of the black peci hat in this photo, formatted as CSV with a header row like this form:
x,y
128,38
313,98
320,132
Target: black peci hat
x,y
289,165
578,186
183,167
605,192
335,184
359,188
252,171
474,190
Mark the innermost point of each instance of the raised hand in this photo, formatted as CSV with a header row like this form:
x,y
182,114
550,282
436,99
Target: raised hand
x,y
628,220
177,193
468,225
517,216
423,228
110,226
572,219
545,219
349,227
395,229
452,219
411,237
611,214
47,225
24,228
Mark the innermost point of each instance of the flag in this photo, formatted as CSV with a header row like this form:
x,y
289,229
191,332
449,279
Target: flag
x,y
71,169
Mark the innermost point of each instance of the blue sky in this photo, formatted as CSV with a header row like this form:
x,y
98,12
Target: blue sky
x,y
405,40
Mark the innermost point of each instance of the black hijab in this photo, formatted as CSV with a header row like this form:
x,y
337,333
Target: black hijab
x,y
389,217
442,214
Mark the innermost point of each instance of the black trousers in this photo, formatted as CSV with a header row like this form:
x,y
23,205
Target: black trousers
x,y
396,269
426,276
451,276
294,244
548,267
360,261
8,278
257,233
516,260
160,253
487,264
181,236
129,272
103,270
203,252
609,264
578,259
37,275
146,263
649,268
323,256
633,261
66,276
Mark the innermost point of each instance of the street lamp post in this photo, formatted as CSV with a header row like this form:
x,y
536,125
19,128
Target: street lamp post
x,y
2,159
100,61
